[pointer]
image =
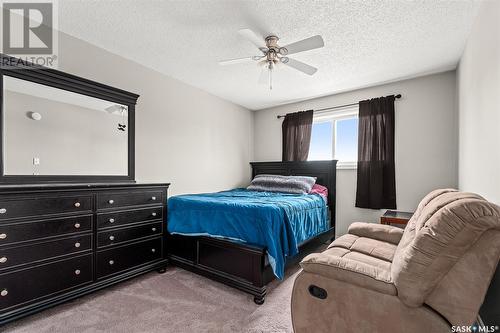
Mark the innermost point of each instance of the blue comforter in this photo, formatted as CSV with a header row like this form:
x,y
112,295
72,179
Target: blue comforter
x,y
277,221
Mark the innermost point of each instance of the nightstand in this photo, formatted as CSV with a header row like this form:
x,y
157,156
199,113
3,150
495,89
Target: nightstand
x,y
395,217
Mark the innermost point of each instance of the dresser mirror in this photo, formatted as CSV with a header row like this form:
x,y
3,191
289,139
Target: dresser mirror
x,y
61,128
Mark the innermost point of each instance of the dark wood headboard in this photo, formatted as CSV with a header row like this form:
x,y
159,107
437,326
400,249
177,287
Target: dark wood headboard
x,y
324,171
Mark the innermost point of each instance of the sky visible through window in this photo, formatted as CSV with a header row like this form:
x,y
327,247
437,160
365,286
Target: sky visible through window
x,y
321,141
346,149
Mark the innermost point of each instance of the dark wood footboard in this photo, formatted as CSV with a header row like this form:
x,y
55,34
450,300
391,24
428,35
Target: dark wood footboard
x,y
237,265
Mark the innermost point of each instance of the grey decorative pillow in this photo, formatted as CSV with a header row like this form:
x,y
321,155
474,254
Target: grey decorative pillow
x,y
285,184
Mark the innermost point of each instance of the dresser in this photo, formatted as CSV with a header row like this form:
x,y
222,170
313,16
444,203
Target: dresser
x,y
59,242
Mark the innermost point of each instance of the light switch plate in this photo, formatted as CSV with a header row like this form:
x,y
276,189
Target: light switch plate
x,y
36,160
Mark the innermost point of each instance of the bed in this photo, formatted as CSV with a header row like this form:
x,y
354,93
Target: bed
x,y
246,238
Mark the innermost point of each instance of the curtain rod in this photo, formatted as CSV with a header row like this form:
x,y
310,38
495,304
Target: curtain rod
x,y
336,107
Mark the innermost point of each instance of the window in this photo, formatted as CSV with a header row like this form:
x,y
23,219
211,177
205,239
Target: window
x,y
335,136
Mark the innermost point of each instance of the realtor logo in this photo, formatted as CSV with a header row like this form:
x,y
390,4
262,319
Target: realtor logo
x,y
29,30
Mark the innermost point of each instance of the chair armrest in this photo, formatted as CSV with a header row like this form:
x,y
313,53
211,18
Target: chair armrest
x,y
381,232
350,271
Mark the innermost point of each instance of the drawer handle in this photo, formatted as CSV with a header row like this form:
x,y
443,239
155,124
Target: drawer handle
x,y
111,220
111,262
153,198
77,204
4,292
154,214
77,244
77,272
111,201
3,260
77,225
3,236
111,238
3,210
153,250
153,229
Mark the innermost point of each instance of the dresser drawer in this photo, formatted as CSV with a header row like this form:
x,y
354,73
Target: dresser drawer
x,y
18,232
20,255
107,200
117,236
122,258
110,220
34,283
17,208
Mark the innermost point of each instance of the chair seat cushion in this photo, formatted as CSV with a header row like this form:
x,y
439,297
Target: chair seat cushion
x,y
368,246
357,260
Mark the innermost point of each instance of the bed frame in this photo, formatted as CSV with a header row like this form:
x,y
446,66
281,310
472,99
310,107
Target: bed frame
x,y
243,266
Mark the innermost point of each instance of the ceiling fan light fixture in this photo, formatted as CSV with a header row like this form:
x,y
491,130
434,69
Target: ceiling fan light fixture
x,y
273,54
283,51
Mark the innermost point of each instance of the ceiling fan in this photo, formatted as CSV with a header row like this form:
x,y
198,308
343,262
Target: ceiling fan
x,y
273,54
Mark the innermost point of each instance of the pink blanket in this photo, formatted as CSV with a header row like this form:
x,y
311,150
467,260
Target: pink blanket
x,y
321,190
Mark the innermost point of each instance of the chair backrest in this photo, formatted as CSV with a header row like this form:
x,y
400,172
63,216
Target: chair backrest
x,y
446,226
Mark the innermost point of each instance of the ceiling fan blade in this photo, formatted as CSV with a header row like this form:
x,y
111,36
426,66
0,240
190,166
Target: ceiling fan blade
x,y
307,44
254,38
239,60
300,66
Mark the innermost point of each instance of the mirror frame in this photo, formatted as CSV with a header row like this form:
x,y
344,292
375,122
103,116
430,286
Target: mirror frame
x,y
21,69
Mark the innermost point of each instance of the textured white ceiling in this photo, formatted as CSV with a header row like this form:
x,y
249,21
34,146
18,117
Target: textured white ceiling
x,y
366,42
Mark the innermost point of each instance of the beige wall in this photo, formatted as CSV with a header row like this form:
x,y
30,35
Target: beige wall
x,y
184,135
479,106
426,141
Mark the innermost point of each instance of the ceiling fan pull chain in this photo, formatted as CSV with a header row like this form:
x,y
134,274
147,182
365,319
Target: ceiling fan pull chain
x,y
270,77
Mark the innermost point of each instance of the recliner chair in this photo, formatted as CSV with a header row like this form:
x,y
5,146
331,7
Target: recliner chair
x,y
379,278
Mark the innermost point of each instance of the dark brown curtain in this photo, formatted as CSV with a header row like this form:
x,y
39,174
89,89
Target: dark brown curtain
x,y
376,185
297,135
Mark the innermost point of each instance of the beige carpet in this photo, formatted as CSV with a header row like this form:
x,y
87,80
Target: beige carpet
x,y
177,301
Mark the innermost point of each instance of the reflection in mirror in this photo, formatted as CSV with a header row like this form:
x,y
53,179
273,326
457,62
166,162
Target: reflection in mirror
x,y
50,131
